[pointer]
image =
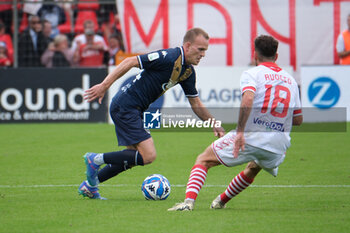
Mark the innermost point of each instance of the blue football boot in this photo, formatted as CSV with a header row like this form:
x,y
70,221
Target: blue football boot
x,y
89,191
91,169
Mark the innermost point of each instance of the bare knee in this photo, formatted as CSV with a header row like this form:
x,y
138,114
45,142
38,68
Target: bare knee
x,y
147,150
252,170
149,157
207,158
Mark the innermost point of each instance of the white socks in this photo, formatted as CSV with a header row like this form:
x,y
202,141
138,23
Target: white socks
x,y
99,159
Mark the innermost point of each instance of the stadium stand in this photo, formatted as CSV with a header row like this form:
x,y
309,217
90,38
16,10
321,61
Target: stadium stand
x,y
24,22
86,10
103,13
66,27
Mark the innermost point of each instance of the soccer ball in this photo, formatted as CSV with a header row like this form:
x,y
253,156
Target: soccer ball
x,y
155,187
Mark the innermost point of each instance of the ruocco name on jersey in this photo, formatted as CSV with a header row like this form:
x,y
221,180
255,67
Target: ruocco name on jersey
x,y
272,77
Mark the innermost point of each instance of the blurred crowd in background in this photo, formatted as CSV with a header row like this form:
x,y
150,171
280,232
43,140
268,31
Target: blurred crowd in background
x,y
62,33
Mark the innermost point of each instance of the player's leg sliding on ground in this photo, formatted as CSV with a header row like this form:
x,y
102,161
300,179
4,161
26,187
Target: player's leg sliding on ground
x,y
194,185
198,174
199,171
196,181
237,185
116,162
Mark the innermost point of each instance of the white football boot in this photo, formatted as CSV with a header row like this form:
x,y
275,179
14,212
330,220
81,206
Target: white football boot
x,y
187,205
217,203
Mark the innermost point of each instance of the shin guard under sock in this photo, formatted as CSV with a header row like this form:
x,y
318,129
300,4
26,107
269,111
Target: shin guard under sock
x,y
109,171
126,157
118,162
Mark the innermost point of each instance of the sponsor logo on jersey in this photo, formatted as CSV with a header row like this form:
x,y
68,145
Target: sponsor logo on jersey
x,y
269,124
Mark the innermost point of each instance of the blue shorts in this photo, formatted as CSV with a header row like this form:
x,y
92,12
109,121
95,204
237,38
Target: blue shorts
x,y
128,124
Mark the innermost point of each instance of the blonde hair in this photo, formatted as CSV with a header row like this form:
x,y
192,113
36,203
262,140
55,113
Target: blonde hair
x,y
191,35
59,38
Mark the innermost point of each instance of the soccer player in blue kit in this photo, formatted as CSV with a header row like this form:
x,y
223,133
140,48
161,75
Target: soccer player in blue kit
x,y
161,70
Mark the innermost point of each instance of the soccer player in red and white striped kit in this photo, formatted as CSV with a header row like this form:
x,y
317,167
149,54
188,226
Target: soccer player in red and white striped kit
x,y
270,106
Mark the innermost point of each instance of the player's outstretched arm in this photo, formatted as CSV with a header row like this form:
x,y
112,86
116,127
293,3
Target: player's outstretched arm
x,y
202,112
99,90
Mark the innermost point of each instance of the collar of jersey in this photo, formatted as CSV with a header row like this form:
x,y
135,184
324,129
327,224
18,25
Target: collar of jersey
x,y
182,55
271,65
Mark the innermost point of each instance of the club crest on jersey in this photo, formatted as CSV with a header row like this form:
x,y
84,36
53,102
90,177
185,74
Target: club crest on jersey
x,y
153,56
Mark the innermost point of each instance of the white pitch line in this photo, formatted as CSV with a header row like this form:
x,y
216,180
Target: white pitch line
x,y
175,185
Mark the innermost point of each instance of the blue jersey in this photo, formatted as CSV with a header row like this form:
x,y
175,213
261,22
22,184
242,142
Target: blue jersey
x,y
162,70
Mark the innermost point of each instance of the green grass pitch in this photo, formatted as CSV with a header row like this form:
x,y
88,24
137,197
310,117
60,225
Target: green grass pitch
x,y
42,167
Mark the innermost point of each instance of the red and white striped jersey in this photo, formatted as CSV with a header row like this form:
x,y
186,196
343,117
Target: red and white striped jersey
x,y
275,103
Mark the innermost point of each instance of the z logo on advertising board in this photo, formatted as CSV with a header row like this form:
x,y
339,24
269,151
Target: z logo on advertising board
x,y
324,92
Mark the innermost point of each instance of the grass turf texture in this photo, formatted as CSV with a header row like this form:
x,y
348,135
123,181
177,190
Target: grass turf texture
x,y
42,167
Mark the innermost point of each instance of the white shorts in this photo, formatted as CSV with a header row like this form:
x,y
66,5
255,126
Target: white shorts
x,y
223,149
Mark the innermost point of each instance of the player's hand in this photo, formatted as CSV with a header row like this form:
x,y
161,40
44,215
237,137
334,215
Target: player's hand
x,y
219,131
96,92
239,144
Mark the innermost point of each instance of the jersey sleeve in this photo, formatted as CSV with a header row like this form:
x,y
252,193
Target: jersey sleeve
x,y
152,60
247,83
297,108
189,86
